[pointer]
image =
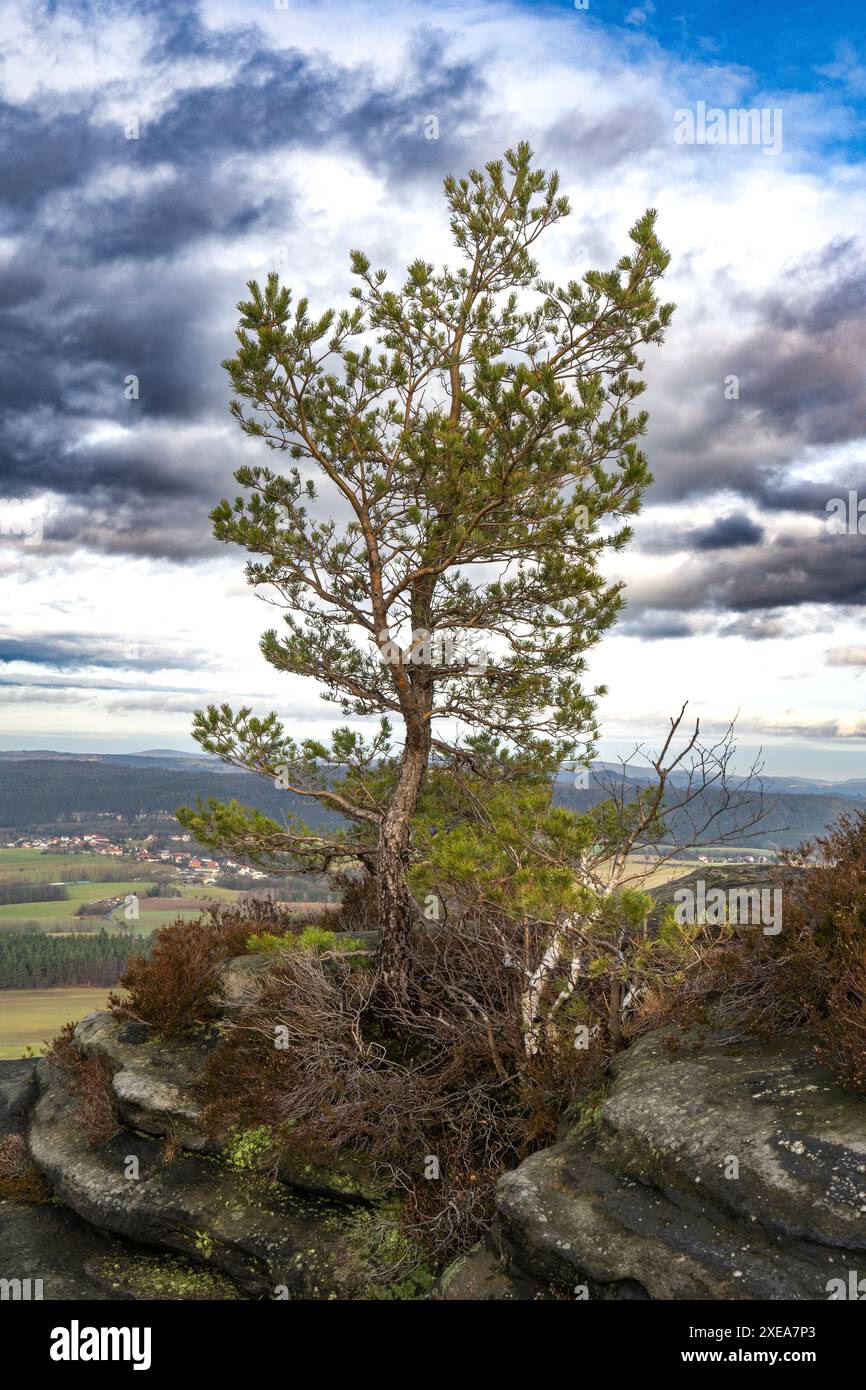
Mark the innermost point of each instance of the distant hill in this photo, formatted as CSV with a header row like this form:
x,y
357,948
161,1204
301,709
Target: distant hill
x,y
179,761
158,757
35,792
788,820
790,786
43,791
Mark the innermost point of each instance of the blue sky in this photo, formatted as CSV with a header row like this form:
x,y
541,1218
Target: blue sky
x,y
270,136
784,44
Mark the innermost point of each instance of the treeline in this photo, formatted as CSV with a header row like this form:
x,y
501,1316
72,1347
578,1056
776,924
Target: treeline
x,y
37,792
21,891
36,961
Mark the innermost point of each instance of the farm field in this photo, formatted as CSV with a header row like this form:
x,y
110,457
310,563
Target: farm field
x,y
658,873
32,863
60,916
151,918
29,1016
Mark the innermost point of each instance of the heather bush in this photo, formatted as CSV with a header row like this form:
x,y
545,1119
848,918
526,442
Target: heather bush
x,y
20,1179
359,908
810,979
88,1081
176,987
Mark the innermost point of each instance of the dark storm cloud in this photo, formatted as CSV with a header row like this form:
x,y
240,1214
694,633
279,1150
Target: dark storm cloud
x,y
727,533
798,364
653,626
77,650
276,99
161,221
662,537
753,591
155,529
110,282
388,125
597,144
44,153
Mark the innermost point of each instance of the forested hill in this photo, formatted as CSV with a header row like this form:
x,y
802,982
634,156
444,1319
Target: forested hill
x,y
787,820
35,792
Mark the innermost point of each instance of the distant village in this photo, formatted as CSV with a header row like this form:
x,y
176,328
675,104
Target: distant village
x,y
189,865
740,858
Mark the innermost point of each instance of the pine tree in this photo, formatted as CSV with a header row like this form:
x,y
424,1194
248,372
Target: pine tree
x,y
465,449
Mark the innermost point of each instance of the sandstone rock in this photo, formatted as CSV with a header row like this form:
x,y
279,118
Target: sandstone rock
x,y
257,1231
66,1259
570,1221
156,1084
344,1179
648,1205
157,1089
799,1138
483,1275
17,1093
49,1244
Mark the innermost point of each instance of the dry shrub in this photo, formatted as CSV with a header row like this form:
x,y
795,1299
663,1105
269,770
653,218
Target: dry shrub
x,y
811,978
88,1081
824,925
358,910
20,1179
176,987
448,1080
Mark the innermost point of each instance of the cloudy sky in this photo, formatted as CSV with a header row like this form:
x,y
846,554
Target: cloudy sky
x,y
281,134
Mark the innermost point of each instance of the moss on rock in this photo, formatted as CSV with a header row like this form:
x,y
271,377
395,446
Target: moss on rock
x,y
164,1276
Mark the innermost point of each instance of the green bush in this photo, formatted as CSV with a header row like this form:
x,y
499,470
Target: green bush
x,y
316,939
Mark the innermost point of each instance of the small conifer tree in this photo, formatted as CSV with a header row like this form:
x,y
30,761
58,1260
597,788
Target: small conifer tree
x,y
465,448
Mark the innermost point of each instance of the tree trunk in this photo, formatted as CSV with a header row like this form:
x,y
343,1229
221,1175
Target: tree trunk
x,y
615,1012
396,906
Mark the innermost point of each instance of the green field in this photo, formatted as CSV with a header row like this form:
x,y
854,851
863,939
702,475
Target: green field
x,y
19,858
15,863
30,1016
61,915
149,921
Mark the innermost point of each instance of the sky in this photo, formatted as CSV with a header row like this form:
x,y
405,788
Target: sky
x,y
156,156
